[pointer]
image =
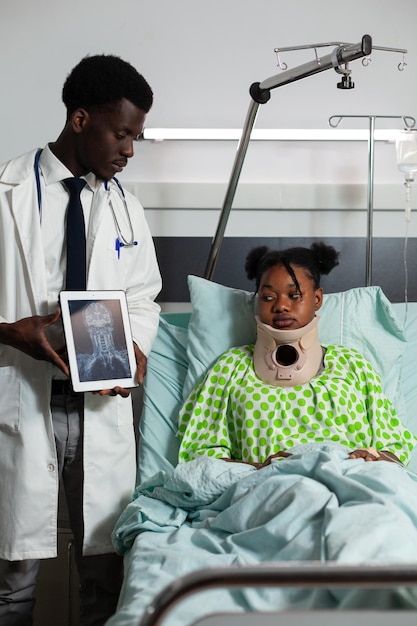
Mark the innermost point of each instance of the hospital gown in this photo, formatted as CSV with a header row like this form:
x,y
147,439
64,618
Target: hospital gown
x,y
234,414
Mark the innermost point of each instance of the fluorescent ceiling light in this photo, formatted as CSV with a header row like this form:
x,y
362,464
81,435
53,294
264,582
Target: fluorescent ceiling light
x,y
290,134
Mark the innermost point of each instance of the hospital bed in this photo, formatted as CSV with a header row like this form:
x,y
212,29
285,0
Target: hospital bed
x,y
211,543
164,535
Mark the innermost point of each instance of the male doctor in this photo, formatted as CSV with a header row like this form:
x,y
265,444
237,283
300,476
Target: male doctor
x,y
47,431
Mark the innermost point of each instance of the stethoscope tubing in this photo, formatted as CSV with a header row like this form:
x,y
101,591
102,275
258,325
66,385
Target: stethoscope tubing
x,y
121,240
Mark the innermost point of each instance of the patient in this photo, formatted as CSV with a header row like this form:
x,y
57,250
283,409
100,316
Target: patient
x,y
259,401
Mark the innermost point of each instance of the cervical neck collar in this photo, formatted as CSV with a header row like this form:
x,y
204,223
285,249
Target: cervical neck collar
x,y
286,358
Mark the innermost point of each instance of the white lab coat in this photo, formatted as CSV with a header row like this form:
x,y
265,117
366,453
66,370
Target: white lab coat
x,y
28,465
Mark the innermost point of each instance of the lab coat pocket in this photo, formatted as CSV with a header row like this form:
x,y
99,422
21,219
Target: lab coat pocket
x,y
10,406
121,257
124,412
110,412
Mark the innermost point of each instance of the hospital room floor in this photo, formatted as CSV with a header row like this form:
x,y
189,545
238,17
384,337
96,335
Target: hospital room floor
x,y
57,586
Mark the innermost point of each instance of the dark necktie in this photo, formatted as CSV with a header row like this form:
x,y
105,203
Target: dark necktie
x,y
76,254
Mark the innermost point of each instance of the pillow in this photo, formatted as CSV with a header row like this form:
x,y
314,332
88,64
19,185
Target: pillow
x,y
361,318
221,317
166,371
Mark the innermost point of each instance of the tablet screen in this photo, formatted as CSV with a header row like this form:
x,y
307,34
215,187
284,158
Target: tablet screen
x,y
99,340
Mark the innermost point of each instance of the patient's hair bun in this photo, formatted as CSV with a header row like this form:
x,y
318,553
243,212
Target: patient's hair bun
x,y
319,259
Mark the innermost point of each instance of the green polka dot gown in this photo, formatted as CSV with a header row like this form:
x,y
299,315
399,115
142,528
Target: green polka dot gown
x,y
234,414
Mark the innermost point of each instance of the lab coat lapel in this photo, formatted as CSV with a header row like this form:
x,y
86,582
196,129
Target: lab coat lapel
x,y
23,200
98,207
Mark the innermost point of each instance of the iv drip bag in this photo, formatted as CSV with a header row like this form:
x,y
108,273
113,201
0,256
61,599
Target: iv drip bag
x,y
406,146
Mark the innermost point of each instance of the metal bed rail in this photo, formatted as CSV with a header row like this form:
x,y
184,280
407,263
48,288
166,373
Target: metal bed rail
x,y
302,574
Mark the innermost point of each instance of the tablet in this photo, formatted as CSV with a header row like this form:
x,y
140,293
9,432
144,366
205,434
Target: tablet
x,y
98,339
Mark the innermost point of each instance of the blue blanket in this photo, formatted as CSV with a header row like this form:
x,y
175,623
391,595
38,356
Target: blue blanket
x,y
317,505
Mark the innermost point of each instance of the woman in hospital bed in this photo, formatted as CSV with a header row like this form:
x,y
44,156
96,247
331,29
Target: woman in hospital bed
x,y
301,423
259,401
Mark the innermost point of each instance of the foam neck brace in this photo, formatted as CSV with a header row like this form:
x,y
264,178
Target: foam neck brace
x,y
286,358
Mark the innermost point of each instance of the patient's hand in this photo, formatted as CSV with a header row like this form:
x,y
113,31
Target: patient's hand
x,y
259,465
280,454
367,454
385,455
256,465
371,454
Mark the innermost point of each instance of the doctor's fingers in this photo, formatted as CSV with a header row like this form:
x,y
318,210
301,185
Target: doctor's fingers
x,y
52,318
28,336
141,362
117,391
54,358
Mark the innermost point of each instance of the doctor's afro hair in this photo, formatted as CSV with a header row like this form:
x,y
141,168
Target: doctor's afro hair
x,y
317,260
103,80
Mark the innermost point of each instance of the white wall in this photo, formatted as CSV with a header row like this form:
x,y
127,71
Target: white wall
x,y
201,58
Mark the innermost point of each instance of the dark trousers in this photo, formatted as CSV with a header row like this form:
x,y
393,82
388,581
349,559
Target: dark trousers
x,y
100,575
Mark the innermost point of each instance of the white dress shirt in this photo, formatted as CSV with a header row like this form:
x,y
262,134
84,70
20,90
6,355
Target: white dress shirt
x,y
53,211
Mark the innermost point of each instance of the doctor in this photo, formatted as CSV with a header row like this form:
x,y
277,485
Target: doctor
x,y
47,431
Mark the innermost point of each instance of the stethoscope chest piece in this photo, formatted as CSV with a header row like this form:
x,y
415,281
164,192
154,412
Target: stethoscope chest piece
x,y
121,241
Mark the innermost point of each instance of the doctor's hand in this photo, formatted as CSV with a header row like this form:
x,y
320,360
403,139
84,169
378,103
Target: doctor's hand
x,y
28,336
141,361
116,391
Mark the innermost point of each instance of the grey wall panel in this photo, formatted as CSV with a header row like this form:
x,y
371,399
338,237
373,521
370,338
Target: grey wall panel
x,y
180,256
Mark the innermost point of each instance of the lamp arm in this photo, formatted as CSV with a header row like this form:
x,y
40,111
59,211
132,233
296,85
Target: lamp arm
x,y
260,93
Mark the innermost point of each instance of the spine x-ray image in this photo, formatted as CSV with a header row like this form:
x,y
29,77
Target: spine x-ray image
x,y
99,340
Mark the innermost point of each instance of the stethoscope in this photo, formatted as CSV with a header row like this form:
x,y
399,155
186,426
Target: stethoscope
x,y
121,240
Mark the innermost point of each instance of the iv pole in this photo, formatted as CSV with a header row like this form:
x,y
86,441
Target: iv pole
x,y
334,122
260,93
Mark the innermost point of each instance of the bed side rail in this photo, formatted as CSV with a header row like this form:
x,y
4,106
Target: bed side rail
x,y
303,574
